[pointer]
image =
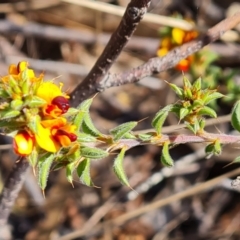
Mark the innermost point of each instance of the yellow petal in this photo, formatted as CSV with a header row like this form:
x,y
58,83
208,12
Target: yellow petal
x,y
48,91
23,143
45,140
178,35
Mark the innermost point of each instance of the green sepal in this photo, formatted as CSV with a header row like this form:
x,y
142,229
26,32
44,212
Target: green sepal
x,y
235,118
44,165
33,123
119,169
214,148
93,153
195,127
197,103
160,118
83,172
13,84
188,93
207,111
166,159
119,131
26,84
35,101
16,104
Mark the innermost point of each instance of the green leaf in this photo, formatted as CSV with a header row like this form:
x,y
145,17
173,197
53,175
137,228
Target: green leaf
x,y
26,87
183,113
145,137
44,165
93,153
83,171
72,112
83,137
197,103
166,159
197,85
119,131
118,168
129,135
202,123
69,171
83,110
176,89
33,158
160,118
89,128
186,83
213,96
235,118
191,127
207,111
10,114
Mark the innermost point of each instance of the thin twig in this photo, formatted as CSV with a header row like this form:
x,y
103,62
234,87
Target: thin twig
x,y
155,65
196,189
11,188
132,16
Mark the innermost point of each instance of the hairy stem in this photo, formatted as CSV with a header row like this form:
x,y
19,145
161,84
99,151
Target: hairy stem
x,y
11,189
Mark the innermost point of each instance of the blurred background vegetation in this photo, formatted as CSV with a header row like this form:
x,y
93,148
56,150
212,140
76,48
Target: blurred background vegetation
x,y
64,39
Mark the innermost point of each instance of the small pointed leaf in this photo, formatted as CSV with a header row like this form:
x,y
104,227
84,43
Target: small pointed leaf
x,y
93,153
83,137
235,119
166,159
88,126
160,118
83,171
44,165
213,96
83,109
119,131
10,114
69,171
207,111
118,168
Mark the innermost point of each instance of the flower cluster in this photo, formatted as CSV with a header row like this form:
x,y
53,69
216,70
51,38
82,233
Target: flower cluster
x,y
174,37
32,111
